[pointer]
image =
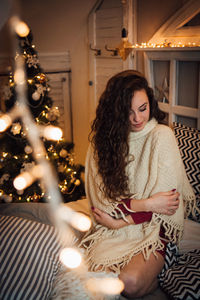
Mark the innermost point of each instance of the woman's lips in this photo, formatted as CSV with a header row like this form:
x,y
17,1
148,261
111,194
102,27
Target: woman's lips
x,y
137,125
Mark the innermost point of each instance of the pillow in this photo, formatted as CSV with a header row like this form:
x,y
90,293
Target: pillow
x,y
181,278
189,144
39,212
29,259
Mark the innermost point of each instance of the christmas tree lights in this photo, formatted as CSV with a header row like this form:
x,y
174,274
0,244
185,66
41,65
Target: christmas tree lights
x,y
32,159
16,154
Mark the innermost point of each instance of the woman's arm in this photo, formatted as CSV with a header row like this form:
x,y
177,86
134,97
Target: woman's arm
x,y
163,202
106,220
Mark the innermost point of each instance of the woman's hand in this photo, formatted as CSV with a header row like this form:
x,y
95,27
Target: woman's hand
x,y
164,202
108,221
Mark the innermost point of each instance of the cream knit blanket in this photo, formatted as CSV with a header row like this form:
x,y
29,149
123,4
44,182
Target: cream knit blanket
x,y
156,167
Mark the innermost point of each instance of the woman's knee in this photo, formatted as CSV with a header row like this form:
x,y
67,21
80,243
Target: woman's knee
x,y
133,285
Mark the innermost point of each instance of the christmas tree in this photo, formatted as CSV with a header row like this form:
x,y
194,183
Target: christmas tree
x,y
15,151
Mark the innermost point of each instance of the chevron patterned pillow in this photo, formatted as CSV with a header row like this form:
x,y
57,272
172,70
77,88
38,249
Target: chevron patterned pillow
x,y
189,144
180,277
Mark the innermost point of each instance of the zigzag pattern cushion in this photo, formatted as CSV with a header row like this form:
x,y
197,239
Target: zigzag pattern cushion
x,y
180,278
189,144
29,259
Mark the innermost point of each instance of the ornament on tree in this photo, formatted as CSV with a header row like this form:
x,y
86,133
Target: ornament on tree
x,y
40,88
4,177
16,128
51,148
27,166
7,198
32,61
63,153
36,96
39,92
28,149
77,182
61,168
41,77
35,197
64,189
53,114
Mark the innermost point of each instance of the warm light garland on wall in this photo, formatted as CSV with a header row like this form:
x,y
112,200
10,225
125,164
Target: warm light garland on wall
x,y
125,47
165,45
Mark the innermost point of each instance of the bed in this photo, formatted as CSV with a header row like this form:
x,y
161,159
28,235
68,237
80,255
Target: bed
x,y
30,267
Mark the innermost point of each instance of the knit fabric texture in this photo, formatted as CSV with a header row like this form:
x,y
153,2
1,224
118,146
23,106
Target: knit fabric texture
x,y
156,167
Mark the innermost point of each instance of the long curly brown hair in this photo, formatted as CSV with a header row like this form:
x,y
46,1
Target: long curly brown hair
x,y
111,127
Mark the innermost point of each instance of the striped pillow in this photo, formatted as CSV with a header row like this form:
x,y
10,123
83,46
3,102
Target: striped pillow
x,y
29,259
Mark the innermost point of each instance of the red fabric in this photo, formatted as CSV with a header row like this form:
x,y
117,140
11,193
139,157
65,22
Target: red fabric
x,y
141,217
138,217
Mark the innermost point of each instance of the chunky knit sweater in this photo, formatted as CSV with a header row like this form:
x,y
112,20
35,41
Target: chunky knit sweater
x,y
156,167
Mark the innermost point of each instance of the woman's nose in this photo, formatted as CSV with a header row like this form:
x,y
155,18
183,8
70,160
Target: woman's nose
x,y
136,117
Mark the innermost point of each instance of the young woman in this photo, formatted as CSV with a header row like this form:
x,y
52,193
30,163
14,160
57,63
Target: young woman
x,y
136,184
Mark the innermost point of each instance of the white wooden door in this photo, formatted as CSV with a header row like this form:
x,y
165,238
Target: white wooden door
x,y
105,26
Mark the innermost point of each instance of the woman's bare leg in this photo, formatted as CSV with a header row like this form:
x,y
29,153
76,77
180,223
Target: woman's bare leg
x,y
140,276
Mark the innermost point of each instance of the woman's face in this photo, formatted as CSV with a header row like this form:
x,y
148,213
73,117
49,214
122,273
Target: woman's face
x,y
140,110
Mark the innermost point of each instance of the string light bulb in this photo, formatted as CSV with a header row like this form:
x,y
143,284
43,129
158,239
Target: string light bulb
x,y
109,286
22,181
20,27
5,122
77,220
52,133
81,222
70,257
165,44
25,179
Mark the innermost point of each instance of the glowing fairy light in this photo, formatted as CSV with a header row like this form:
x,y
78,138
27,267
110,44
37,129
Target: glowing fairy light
x,y
5,122
81,222
166,44
52,133
25,179
20,27
109,286
77,220
22,181
70,257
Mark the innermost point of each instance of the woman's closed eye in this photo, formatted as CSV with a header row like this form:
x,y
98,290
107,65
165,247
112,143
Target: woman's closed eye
x,y
143,108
